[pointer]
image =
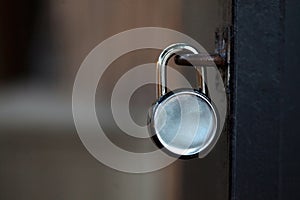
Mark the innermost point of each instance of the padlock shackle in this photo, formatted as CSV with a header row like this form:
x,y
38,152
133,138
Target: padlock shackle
x,y
162,62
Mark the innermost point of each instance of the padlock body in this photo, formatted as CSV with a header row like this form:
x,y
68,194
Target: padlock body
x,y
184,122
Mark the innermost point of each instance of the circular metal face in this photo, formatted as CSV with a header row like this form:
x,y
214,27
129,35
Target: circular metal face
x,y
184,122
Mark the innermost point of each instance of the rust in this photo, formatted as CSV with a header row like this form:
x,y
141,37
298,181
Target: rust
x,y
200,60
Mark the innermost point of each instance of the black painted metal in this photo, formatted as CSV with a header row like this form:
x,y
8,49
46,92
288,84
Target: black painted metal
x,y
290,113
258,34
265,160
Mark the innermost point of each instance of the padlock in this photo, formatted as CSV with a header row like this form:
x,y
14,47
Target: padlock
x,y
182,122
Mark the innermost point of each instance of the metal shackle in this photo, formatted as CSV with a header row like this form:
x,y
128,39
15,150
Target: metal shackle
x,y
162,62
183,122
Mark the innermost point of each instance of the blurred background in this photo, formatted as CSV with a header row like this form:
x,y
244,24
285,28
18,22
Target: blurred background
x,y
42,44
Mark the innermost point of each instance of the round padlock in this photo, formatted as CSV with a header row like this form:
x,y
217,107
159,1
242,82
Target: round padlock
x,y
183,122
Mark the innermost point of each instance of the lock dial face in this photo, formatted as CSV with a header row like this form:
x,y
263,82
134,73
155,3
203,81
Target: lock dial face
x,y
184,122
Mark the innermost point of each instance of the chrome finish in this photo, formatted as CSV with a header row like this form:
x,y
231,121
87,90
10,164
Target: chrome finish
x,y
162,67
183,121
